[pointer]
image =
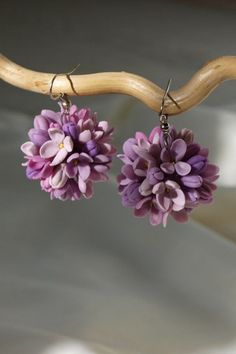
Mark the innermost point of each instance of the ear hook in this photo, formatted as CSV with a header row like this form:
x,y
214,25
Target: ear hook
x,y
164,117
63,97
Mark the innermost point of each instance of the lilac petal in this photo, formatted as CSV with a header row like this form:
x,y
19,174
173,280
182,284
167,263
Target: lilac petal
x,y
54,116
101,168
71,169
124,159
180,216
82,185
102,158
163,202
60,156
140,167
145,188
179,199
154,175
128,148
211,170
103,124
197,162
143,201
38,136
143,210
154,136
165,155
73,157
41,123
165,218
172,184
56,135
89,190
140,136
85,136
98,134
59,179
155,217
168,167
192,181
84,171
178,149
182,168
128,171
48,149
29,148
159,188
83,157
143,153
68,143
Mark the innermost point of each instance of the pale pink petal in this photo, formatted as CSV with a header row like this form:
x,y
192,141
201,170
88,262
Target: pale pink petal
x,y
68,143
159,188
84,171
60,156
56,135
89,190
29,148
48,149
103,124
180,198
145,188
154,136
178,149
172,184
182,168
82,185
168,167
59,179
155,217
74,156
85,136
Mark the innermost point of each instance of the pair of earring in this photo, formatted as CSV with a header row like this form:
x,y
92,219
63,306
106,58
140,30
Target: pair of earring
x,y
165,173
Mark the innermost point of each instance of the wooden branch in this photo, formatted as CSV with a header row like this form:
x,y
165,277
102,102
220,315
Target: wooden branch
x,y
192,93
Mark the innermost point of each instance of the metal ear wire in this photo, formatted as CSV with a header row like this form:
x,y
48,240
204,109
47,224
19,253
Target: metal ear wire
x,y
63,97
164,117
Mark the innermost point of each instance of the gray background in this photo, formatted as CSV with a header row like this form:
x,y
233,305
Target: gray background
x,y
89,271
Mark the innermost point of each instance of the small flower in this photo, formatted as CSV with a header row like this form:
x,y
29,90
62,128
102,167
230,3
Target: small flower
x,y
59,146
162,181
68,153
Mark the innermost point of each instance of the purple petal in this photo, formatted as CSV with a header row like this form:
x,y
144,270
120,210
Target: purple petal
x,y
145,188
180,216
89,190
168,167
59,179
85,136
159,188
71,169
143,153
102,158
101,168
163,202
48,149
128,148
29,149
73,157
155,216
56,135
192,181
140,136
165,155
60,156
154,136
84,171
38,136
82,185
182,168
68,143
41,123
178,149
211,170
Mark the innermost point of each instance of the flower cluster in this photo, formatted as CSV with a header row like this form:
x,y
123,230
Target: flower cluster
x,y
162,180
68,152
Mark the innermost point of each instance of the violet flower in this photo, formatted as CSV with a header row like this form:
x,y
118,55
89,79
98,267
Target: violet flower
x,y
162,181
68,153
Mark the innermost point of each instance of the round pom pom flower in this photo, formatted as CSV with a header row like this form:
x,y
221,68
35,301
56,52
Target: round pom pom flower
x,y
68,151
164,180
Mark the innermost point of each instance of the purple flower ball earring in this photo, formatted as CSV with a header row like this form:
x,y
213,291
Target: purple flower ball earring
x,y
68,151
165,173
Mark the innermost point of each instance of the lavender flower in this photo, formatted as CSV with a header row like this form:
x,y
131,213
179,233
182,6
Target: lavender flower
x,y
162,181
67,153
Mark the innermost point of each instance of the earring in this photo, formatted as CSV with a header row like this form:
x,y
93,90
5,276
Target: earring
x,y
68,150
166,173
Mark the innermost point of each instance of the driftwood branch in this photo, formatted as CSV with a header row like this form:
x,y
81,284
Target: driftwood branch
x,y
189,95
